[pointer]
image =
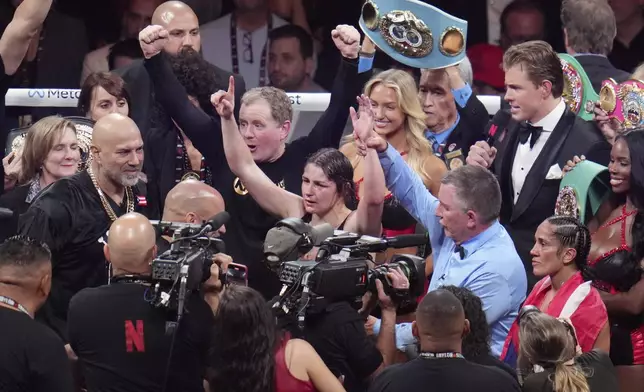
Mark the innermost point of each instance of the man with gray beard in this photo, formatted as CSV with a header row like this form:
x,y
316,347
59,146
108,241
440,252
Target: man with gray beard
x,y
73,215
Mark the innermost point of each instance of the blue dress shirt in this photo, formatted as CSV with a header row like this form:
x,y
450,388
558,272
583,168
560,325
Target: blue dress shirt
x,y
491,267
461,96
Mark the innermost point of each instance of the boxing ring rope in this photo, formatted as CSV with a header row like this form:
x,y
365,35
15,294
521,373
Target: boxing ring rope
x,y
303,102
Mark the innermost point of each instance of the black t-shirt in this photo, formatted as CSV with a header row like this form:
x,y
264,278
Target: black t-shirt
x,y
596,365
69,217
32,357
444,374
123,345
489,360
247,228
339,338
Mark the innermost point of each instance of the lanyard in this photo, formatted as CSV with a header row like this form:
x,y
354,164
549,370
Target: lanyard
x,y
441,355
14,304
234,55
135,279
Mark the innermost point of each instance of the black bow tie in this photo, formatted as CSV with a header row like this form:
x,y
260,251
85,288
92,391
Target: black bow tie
x,y
460,250
529,131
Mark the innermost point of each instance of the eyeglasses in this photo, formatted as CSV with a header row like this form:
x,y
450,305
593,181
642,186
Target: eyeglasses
x,y
247,41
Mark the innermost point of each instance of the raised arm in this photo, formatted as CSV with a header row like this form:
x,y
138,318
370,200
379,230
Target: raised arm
x,y
347,84
202,129
404,184
368,217
15,40
268,195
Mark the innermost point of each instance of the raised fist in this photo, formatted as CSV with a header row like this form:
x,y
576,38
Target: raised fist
x,y
152,40
347,39
224,101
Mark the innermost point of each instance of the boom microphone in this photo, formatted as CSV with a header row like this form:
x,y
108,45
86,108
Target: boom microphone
x,y
373,244
216,222
291,238
320,233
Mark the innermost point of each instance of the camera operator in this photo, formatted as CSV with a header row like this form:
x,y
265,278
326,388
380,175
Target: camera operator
x,y
121,340
339,336
190,201
32,357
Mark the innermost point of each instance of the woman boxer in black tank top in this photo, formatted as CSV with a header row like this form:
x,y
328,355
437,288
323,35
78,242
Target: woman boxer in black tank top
x,y
327,183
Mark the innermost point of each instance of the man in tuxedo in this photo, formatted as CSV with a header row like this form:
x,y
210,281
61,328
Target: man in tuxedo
x,y
528,151
589,30
182,24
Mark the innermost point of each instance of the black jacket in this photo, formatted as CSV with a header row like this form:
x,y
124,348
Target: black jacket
x,y
572,136
599,68
161,135
140,87
469,130
15,200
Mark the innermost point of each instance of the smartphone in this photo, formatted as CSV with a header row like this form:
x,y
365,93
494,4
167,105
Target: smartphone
x,y
236,274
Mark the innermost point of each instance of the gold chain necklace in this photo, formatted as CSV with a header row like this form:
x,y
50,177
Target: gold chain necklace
x,y
129,197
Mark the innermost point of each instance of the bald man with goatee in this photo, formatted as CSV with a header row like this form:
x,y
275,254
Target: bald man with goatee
x,y
122,341
183,27
73,215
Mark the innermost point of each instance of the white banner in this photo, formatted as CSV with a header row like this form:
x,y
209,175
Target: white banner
x,y
303,102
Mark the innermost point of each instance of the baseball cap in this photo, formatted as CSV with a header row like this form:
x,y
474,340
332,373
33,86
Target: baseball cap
x,y
487,64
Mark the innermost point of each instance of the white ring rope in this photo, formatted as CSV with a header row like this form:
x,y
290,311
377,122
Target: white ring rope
x,y
303,102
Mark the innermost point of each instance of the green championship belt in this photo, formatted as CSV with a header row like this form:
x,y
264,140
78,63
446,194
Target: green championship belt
x,y
583,190
578,90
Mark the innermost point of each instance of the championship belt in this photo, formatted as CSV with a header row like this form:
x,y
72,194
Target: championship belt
x,y
415,34
84,128
578,90
583,190
624,102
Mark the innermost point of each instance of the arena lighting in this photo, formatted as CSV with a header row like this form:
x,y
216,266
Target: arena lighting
x,y
303,102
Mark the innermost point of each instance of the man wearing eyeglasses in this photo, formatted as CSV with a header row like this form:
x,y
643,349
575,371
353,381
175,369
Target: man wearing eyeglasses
x,y
238,42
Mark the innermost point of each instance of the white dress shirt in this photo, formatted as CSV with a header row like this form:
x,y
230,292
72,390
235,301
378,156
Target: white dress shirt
x,y
526,156
215,46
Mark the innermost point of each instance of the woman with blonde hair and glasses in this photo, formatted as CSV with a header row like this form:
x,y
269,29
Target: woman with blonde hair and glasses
x,y
550,359
50,152
400,120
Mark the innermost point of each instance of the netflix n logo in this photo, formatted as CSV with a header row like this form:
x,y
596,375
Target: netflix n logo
x,y
134,338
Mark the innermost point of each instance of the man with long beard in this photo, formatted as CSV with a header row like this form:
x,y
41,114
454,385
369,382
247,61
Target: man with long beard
x,y
74,214
183,27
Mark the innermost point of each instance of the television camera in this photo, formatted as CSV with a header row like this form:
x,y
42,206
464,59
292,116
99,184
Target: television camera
x,y
341,269
186,265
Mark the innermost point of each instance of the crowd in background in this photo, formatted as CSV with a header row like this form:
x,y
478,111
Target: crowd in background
x,y
183,113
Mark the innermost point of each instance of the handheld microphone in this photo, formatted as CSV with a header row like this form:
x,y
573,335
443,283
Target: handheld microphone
x,y
216,222
500,120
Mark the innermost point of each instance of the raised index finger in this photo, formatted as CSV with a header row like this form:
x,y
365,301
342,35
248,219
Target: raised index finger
x,y
231,86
